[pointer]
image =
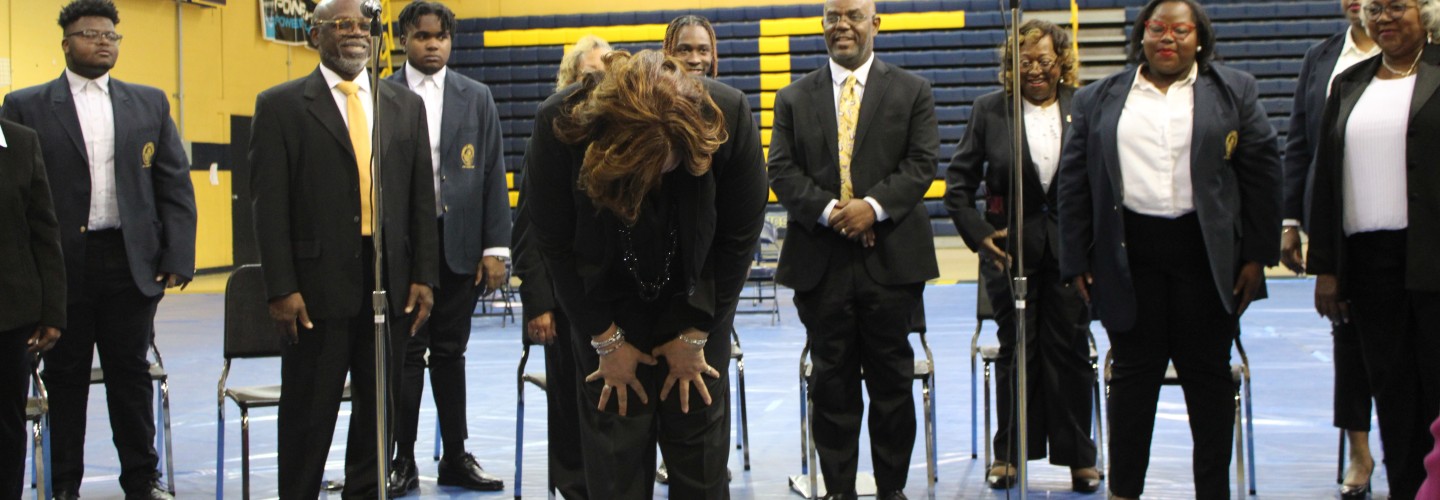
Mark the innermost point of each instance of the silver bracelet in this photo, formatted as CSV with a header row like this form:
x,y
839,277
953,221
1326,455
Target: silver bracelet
x,y
606,351
700,343
615,338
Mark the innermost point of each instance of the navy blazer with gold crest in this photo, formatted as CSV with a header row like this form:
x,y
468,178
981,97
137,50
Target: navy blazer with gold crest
x,y
472,172
1235,172
152,178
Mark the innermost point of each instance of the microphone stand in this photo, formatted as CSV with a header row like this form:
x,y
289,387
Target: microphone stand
x,y
1019,286
379,298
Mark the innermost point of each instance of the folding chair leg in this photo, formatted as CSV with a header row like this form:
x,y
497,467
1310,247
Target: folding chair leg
x,y
437,437
520,437
974,416
1250,434
245,453
744,412
169,447
811,453
804,428
40,472
220,450
1099,426
926,392
988,451
1340,462
1239,449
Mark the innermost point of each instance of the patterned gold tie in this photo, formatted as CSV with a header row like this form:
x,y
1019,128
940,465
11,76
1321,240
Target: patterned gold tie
x,y
849,110
360,140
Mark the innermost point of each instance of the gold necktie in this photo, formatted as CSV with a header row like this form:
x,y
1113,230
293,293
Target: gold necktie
x,y
849,110
360,140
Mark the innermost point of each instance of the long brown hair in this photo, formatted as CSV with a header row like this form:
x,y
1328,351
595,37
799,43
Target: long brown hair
x,y
634,116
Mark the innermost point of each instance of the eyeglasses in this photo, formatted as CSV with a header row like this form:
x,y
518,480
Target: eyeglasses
x,y
1396,10
1043,64
96,35
346,24
855,17
1157,29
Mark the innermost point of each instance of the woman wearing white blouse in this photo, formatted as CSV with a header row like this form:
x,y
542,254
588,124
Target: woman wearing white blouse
x,y
1375,226
1058,351
1169,209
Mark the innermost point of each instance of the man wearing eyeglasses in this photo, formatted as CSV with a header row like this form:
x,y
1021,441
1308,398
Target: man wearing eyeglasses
x,y
126,210
860,247
310,155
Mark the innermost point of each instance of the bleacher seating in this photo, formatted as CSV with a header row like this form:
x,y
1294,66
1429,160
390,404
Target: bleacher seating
x,y
1267,38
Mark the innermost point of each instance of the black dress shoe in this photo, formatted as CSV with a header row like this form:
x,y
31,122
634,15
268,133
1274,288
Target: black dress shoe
x,y
153,492
66,495
465,472
893,495
403,477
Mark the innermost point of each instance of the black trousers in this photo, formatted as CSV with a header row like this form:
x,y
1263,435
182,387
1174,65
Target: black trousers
x,y
562,414
445,335
14,389
620,451
109,315
1060,379
1352,383
1179,318
854,322
1399,334
312,381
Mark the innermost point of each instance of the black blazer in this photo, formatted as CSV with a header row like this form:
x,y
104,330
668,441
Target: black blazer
x,y
307,197
1327,235
1305,132
537,294
1237,194
152,178
721,215
897,142
472,172
33,283
984,155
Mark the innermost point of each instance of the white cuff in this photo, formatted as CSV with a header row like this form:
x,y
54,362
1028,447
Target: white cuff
x,y
496,252
825,215
879,211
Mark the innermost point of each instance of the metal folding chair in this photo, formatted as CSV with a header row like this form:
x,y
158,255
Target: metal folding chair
x,y
37,412
162,410
521,378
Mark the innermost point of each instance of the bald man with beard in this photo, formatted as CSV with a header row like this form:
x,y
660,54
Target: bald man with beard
x,y
310,159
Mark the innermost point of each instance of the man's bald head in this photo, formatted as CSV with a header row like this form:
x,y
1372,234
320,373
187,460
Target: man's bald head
x,y
341,32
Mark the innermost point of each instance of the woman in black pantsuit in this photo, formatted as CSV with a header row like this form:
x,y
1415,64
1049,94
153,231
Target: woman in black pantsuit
x,y
646,193
1057,337
1375,226
1170,201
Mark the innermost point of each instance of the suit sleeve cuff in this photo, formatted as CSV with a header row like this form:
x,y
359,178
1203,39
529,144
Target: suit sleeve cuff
x,y
880,213
496,252
1291,223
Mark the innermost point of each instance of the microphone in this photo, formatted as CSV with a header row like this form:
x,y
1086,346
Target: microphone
x,y
370,8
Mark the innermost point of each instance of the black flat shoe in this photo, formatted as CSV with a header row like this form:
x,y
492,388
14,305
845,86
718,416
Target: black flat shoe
x,y
153,492
1086,480
404,478
465,472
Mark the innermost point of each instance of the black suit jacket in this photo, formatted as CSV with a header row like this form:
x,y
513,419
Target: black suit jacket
x,y
1327,235
33,283
1237,193
721,215
307,197
897,142
1304,132
537,294
152,178
984,155
472,172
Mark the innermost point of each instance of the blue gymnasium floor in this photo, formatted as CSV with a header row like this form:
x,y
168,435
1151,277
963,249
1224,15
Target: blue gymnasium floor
x,y
1289,348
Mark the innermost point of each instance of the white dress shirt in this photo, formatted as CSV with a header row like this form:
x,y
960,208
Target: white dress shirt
x,y
1350,55
333,79
97,124
432,90
1154,145
1375,175
838,75
1042,135
3,144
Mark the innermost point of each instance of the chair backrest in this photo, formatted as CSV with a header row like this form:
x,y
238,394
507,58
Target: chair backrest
x,y
249,332
983,309
917,318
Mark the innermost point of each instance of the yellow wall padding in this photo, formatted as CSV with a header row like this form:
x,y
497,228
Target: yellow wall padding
x,y
908,21
767,100
774,81
779,63
767,118
774,45
568,36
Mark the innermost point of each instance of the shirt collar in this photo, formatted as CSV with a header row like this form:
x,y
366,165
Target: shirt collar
x,y
1142,83
332,78
1351,48
839,73
77,82
3,144
414,77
